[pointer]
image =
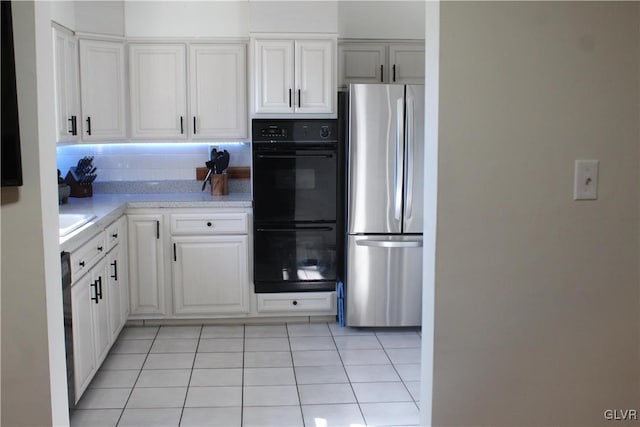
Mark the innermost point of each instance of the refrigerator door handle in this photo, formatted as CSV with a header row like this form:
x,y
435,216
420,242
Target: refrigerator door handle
x,y
390,243
410,155
397,196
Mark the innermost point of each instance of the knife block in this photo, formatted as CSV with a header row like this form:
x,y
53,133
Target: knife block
x,y
77,189
219,184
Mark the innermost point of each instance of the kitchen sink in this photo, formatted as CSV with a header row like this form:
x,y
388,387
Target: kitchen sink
x,y
71,222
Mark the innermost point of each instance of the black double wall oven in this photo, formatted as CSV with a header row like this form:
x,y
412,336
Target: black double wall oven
x,y
296,166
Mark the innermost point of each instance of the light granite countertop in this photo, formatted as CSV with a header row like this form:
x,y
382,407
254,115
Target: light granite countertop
x,y
109,207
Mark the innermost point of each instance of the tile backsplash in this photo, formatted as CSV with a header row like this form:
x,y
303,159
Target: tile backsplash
x,y
149,161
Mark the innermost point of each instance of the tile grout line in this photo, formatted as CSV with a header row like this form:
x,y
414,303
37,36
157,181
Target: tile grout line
x,y
139,373
333,337
244,337
295,378
395,369
193,364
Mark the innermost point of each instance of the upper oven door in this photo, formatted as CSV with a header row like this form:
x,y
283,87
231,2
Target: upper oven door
x,y
293,183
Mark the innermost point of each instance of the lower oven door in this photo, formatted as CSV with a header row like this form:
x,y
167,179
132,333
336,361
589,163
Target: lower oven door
x,y
295,258
294,184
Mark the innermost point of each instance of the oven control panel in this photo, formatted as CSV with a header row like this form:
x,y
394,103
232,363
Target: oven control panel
x,y
295,130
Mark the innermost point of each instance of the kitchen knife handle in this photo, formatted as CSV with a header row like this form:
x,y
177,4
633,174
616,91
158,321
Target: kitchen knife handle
x,y
381,73
114,264
394,72
194,125
181,125
88,125
289,98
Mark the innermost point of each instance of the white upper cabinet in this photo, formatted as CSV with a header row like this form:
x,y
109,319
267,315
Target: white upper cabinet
x,y
158,90
274,76
407,64
218,90
367,62
102,77
67,91
314,71
294,76
362,63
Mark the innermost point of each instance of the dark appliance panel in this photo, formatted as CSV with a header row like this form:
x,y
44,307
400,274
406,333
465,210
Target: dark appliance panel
x,y
295,257
294,184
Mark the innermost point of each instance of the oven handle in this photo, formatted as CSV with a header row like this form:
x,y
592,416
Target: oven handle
x,y
294,156
295,229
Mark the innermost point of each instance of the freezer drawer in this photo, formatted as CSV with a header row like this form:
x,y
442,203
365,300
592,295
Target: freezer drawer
x,y
384,281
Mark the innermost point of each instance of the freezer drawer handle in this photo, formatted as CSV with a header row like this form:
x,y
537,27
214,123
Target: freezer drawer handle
x,y
390,244
295,156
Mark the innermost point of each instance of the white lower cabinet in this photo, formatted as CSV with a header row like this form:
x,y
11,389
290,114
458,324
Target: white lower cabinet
x,y
118,290
90,317
146,264
210,274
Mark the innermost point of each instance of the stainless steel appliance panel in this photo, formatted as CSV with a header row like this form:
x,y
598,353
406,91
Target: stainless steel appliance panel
x,y
384,281
414,163
376,158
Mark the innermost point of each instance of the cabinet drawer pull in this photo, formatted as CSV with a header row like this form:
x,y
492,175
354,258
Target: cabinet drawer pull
x,y
114,264
289,98
194,125
94,285
99,293
394,72
299,98
381,73
181,125
88,125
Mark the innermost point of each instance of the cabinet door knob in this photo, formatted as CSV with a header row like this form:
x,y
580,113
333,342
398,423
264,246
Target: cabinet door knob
x,y
209,224
114,235
81,263
100,248
295,302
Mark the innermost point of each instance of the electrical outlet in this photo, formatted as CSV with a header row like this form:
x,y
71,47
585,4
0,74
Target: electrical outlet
x,y
585,182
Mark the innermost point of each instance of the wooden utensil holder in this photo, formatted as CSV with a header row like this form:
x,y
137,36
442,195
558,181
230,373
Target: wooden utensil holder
x,y
219,184
78,189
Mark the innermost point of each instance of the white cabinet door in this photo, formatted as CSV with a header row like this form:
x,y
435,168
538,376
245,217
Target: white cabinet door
x,y
158,86
211,274
146,264
82,295
218,90
362,63
102,335
90,324
315,76
407,64
274,76
102,83
67,91
118,290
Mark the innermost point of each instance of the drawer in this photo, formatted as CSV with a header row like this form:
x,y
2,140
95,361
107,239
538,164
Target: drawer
x,y
297,302
115,232
218,223
83,259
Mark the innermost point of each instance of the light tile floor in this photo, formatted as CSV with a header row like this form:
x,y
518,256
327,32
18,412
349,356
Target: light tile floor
x,y
312,375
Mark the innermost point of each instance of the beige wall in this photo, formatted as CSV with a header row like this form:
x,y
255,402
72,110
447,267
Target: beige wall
x,y
536,299
33,375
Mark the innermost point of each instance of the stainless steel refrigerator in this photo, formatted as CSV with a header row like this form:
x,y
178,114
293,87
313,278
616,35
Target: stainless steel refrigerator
x,y
385,205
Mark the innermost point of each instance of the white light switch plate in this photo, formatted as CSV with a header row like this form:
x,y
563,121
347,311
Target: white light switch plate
x,y
585,182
